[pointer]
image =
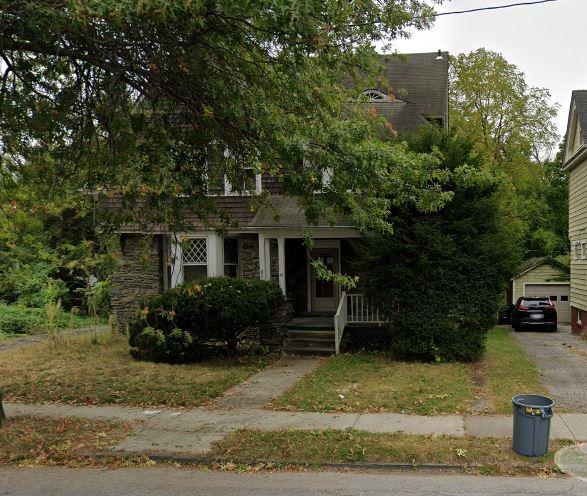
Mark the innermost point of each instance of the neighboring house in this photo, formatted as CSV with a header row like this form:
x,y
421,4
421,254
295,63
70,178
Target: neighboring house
x,y
544,276
575,162
263,246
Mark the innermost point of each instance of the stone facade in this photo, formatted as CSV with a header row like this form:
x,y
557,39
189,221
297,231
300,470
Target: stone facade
x,y
274,333
249,256
139,275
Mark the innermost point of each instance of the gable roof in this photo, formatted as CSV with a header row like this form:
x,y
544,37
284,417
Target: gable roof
x,y
419,89
579,108
535,262
420,79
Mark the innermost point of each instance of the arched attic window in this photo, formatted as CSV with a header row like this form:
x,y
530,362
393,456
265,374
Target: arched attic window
x,y
375,95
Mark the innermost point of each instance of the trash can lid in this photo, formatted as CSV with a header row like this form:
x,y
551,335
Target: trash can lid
x,y
532,400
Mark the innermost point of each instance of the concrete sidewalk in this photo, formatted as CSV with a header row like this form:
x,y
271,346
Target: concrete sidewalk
x,y
194,431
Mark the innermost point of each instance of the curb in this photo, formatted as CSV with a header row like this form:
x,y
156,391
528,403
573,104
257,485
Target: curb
x,y
209,461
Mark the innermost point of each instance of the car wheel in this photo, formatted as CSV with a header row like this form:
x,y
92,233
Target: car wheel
x,y
516,328
554,329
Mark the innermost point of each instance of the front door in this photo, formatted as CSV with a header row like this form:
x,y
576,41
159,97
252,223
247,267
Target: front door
x,y
324,294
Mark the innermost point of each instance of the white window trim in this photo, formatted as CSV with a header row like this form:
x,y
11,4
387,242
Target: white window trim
x,y
258,187
327,176
214,258
327,173
576,250
376,95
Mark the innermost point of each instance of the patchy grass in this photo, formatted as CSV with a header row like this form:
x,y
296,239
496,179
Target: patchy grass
x,y
375,382
48,441
481,455
98,370
507,371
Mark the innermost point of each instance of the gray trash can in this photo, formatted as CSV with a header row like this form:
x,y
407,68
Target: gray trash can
x,y
532,414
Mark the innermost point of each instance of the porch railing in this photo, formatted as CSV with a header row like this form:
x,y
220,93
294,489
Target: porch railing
x,y
354,308
340,321
362,311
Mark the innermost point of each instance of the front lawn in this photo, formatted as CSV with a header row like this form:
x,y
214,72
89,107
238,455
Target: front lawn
x,y
375,382
480,455
507,371
372,382
48,441
98,370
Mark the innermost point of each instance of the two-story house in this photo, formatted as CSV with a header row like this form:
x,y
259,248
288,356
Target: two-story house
x,y
575,162
268,246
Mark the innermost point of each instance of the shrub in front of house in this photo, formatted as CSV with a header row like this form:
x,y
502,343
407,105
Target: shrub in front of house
x,y
439,277
187,322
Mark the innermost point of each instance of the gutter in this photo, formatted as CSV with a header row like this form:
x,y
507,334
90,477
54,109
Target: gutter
x,y
576,159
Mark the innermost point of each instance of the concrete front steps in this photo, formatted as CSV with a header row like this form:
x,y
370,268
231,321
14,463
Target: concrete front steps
x,y
310,342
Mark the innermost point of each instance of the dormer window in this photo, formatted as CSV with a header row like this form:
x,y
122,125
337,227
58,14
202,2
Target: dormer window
x,y
375,95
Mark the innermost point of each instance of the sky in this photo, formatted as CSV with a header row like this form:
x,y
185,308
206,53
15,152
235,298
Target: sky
x,y
547,42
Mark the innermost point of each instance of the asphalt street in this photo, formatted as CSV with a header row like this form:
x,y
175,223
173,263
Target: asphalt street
x,y
178,482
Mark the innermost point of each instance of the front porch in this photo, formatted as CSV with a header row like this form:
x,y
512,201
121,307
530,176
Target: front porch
x,y
322,334
288,261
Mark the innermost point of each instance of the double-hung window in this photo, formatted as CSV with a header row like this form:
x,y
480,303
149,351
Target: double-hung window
x,y
194,259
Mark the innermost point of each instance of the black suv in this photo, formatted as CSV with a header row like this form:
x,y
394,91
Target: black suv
x,y
530,313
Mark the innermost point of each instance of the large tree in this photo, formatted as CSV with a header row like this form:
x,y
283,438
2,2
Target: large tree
x,y
508,118
512,125
158,99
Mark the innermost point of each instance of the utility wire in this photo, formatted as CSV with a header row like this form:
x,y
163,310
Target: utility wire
x,y
494,7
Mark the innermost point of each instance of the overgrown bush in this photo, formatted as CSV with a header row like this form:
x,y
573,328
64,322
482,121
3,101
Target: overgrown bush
x,y
31,285
18,319
186,322
439,277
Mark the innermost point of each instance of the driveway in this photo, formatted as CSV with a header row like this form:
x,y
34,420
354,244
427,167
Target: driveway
x,y
561,359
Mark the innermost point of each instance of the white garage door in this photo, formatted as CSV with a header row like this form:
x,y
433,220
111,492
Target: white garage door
x,y
558,293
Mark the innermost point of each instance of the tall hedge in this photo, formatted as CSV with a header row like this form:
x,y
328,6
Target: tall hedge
x,y
184,323
439,277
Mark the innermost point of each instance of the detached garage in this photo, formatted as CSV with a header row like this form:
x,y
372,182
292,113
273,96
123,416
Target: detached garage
x,y
547,277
